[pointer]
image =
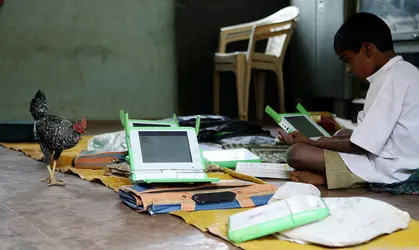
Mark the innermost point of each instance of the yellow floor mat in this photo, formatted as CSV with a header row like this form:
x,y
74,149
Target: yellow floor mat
x,y
213,221
65,162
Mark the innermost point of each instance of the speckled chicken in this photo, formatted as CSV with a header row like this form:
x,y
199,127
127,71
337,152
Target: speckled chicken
x,y
54,134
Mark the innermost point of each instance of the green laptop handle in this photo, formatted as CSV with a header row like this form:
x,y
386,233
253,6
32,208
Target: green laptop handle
x,y
197,124
126,118
122,117
302,109
175,119
272,113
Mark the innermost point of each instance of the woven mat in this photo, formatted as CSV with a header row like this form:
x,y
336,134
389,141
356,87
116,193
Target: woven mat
x,y
213,221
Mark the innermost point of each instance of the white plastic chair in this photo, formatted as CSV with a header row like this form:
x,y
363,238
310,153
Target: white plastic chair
x,y
278,29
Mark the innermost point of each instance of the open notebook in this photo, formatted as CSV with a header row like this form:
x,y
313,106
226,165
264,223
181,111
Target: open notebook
x,y
265,170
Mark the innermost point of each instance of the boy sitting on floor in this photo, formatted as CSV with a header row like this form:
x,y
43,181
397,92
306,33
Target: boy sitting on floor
x,y
384,147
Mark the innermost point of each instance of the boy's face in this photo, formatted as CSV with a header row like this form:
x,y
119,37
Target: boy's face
x,y
360,65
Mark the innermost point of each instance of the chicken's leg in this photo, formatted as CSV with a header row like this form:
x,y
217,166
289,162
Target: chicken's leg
x,y
47,158
50,174
54,181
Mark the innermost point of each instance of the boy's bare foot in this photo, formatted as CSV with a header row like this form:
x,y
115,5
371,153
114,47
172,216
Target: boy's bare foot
x,y
308,177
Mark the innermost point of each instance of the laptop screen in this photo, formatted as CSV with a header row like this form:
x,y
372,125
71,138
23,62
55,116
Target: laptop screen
x,y
165,146
302,124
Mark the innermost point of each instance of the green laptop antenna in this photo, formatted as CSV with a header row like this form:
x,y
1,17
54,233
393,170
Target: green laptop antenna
x,y
121,117
175,119
126,119
301,109
197,124
272,113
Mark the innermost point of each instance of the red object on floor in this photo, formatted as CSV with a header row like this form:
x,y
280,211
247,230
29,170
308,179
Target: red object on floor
x,y
1,2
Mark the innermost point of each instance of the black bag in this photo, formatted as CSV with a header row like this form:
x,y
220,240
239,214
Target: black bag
x,y
218,128
206,121
16,131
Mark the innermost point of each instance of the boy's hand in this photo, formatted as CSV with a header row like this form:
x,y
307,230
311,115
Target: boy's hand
x,y
292,138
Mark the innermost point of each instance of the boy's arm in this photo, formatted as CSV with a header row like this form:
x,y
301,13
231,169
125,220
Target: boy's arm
x,y
340,145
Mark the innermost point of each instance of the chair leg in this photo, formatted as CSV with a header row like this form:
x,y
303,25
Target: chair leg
x,y
241,88
260,84
280,86
216,92
247,79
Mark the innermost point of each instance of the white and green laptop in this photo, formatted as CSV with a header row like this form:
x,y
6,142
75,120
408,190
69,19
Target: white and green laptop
x,y
165,154
276,217
298,121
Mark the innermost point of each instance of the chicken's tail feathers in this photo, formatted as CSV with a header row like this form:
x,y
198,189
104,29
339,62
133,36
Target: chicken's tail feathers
x,y
39,105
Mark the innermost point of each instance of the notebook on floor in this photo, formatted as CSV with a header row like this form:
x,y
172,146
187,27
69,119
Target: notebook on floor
x,y
265,170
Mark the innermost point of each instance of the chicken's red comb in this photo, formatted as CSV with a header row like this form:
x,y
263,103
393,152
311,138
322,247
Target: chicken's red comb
x,y
83,122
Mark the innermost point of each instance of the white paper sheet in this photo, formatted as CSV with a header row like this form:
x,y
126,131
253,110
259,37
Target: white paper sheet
x,y
352,221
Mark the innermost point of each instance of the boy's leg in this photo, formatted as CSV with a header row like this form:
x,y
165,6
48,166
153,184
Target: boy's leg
x,y
313,165
306,158
308,162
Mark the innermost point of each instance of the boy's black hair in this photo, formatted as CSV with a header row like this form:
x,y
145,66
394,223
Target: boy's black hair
x,y
363,27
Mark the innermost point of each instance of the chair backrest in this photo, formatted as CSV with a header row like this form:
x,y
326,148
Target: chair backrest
x,y
278,44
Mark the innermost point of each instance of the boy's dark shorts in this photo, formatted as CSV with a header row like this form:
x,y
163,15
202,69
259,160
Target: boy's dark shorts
x,y
338,174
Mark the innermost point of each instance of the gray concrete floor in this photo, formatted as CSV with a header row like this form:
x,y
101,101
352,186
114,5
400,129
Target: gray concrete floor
x,y
85,215
81,215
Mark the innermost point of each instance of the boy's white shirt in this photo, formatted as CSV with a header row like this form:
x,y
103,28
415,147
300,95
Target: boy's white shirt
x,y
388,126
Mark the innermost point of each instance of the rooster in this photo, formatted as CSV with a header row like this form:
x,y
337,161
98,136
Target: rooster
x,y
54,134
